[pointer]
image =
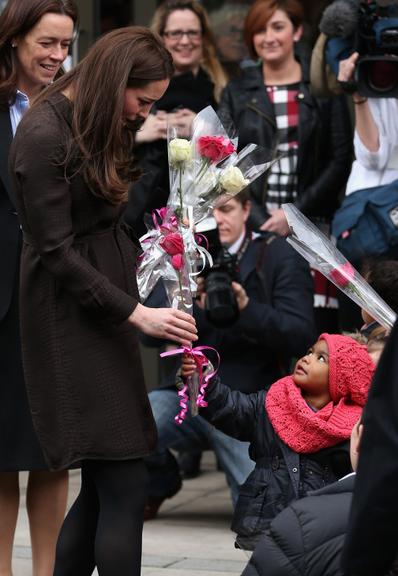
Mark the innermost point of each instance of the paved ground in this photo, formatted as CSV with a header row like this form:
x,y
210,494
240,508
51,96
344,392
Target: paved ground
x,y
190,537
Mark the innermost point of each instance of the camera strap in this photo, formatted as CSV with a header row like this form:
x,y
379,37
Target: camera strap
x,y
260,262
243,247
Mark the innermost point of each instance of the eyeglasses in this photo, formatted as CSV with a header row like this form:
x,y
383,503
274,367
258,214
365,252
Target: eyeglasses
x,y
178,34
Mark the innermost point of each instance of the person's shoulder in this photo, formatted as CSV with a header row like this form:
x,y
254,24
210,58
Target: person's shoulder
x,y
248,77
41,130
274,244
308,515
46,114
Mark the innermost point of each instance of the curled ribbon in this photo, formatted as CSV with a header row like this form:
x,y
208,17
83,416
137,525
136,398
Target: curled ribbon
x,y
192,243
201,362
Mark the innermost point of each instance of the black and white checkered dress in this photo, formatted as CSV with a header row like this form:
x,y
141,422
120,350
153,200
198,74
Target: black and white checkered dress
x,y
282,179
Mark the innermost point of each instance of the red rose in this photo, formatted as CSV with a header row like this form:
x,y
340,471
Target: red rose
x,y
172,244
343,275
177,261
215,148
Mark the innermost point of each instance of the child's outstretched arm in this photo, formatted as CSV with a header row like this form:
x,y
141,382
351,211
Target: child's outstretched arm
x,y
231,411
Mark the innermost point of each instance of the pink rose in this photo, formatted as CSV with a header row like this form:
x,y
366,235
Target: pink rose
x,y
215,148
172,244
177,261
343,275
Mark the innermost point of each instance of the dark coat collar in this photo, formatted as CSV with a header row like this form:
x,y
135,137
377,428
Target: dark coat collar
x,y
5,143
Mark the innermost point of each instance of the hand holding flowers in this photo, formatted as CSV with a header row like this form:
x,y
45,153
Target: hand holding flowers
x,y
205,172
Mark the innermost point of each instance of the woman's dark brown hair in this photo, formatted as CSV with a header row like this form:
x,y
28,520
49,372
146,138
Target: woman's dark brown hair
x,y
130,57
262,10
210,61
17,19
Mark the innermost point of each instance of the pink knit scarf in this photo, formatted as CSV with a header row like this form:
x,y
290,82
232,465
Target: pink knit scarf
x,y
302,429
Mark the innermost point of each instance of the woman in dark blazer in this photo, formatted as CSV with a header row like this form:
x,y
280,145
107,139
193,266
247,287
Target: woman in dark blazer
x,y
71,167
272,105
34,41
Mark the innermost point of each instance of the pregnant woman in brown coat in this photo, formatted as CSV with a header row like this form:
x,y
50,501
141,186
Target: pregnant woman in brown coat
x,y
80,312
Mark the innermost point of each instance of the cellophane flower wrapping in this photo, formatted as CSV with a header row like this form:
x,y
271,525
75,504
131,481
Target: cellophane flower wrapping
x,y
205,171
323,255
167,255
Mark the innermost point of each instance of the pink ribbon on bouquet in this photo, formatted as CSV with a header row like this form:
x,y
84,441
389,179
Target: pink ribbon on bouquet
x,y
201,362
160,214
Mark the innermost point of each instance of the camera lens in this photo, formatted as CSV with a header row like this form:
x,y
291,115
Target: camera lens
x,y
383,75
377,76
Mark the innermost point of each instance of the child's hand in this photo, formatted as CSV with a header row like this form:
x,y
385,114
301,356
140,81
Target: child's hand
x,y
188,366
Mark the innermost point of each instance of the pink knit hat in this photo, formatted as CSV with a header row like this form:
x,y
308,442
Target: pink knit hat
x,y
350,369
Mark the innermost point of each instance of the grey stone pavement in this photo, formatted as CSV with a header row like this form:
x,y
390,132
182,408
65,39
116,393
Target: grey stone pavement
x,y
190,536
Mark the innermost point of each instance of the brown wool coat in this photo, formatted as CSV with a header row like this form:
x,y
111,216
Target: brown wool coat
x,y
77,288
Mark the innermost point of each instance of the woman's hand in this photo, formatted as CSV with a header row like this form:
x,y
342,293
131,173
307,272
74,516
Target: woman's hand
x,y
188,366
182,120
165,323
347,68
154,128
241,296
365,124
276,223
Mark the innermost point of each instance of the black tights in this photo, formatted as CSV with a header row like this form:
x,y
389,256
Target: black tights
x,y
103,528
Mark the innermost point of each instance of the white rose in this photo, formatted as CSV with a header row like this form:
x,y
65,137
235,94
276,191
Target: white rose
x,y
232,180
179,151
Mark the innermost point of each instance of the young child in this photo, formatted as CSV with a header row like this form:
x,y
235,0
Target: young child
x,y
298,430
382,276
307,537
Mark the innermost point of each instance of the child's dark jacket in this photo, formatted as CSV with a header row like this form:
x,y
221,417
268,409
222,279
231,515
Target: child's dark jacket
x,y
307,538
280,475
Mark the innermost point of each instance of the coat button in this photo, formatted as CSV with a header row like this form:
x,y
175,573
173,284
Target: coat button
x,y
300,96
294,469
254,100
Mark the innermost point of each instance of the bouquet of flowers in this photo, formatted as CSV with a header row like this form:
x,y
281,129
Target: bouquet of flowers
x,y
319,251
164,256
205,172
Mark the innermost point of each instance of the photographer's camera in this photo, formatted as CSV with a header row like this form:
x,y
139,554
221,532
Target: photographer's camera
x,y
221,307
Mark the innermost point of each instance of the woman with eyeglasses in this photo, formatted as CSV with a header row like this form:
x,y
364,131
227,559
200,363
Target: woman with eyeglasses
x,y
197,82
35,36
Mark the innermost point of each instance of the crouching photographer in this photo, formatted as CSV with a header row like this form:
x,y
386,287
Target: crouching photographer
x,y
256,308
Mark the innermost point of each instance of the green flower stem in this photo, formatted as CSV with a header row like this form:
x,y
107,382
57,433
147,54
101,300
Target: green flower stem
x,y
353,289
179,189
202,169
181,290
